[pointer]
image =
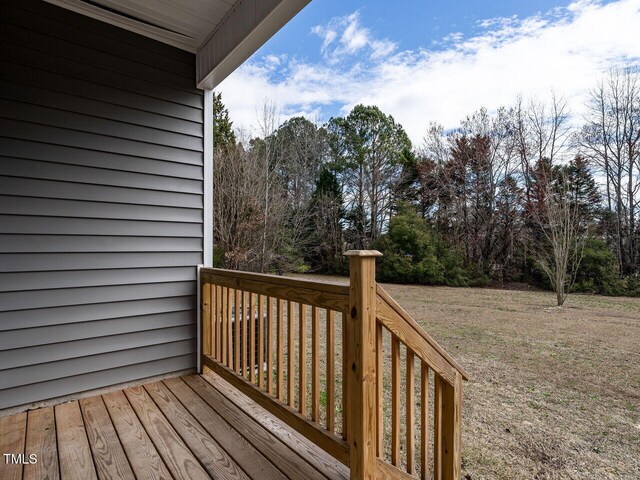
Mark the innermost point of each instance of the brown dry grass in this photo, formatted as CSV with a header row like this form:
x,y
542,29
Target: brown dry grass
x,y
554,393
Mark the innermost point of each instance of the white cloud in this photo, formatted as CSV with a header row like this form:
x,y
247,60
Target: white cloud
x,y
328,35
345,36
566,49
354,37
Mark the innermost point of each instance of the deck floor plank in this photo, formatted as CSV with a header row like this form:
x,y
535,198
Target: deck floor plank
x,y
194,427
74,453
13,431
108,454
205,448
250,459
142,454
317,457
288,460
41,441
178,458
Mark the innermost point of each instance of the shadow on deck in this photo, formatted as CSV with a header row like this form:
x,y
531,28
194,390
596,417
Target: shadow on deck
x,y
191,427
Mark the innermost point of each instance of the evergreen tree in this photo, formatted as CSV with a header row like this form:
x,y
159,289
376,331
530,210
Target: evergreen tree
x,y
223,136
325,223
509,227
415,253
583,187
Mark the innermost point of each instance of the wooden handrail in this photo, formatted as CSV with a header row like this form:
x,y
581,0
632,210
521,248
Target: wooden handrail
x,y
324,286
388,308
317,294
269,337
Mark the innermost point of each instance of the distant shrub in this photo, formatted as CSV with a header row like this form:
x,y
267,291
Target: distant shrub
x,y
598,272
413,253
632,286
479,280
218,257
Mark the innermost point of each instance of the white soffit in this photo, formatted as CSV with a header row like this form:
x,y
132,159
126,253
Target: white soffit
x,y
223,33
182,23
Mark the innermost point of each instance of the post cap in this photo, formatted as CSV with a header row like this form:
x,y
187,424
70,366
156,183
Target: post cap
x,y
363,253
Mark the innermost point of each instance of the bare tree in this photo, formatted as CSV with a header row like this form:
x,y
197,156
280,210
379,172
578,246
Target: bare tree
x,y
267,119
561,248
250,208
549,126
327,239
469,170
235,206
611,139
262,206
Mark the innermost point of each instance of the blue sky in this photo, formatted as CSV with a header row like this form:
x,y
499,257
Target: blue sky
x,y
412,23
424,61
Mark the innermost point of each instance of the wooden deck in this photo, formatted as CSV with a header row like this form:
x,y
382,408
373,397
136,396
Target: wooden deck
x,y
192,427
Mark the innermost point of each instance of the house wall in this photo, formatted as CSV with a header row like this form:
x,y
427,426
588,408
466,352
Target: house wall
x,y
101,204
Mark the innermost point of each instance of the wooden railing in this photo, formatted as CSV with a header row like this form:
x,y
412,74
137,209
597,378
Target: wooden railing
x,y
327,359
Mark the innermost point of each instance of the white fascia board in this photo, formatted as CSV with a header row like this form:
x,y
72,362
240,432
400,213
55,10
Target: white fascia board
x,y
247,26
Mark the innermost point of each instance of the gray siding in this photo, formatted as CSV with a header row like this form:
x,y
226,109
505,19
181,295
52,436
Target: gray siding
x,y
101,196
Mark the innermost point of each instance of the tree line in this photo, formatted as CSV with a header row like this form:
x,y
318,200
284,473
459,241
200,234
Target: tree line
x,y
521,194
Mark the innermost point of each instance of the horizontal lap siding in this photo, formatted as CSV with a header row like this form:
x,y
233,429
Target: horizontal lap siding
x,y
101,191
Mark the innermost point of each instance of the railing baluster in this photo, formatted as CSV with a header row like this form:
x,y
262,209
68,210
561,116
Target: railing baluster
x,y
205,319
424,421
345,380
331,365
244,347
302,387
228,326
290,353
219,314
270,345
214,307
395,400
280,350
229,329
380,391
214,317
260,372
437,427
252,337
315,367
237,318
216,314
224,318
410,412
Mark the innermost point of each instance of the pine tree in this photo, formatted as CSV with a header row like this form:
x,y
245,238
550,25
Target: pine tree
x,y
371,147
583,187
223,135
325,223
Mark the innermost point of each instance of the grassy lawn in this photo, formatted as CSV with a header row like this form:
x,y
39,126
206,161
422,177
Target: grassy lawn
x,y
554,393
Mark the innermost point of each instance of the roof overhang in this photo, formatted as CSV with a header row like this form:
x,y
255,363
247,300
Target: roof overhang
x,y
222,33
245,29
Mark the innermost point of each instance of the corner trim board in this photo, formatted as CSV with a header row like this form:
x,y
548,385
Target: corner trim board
x,y
207,165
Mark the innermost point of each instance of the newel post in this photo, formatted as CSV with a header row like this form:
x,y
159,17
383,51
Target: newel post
x,y
361,364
